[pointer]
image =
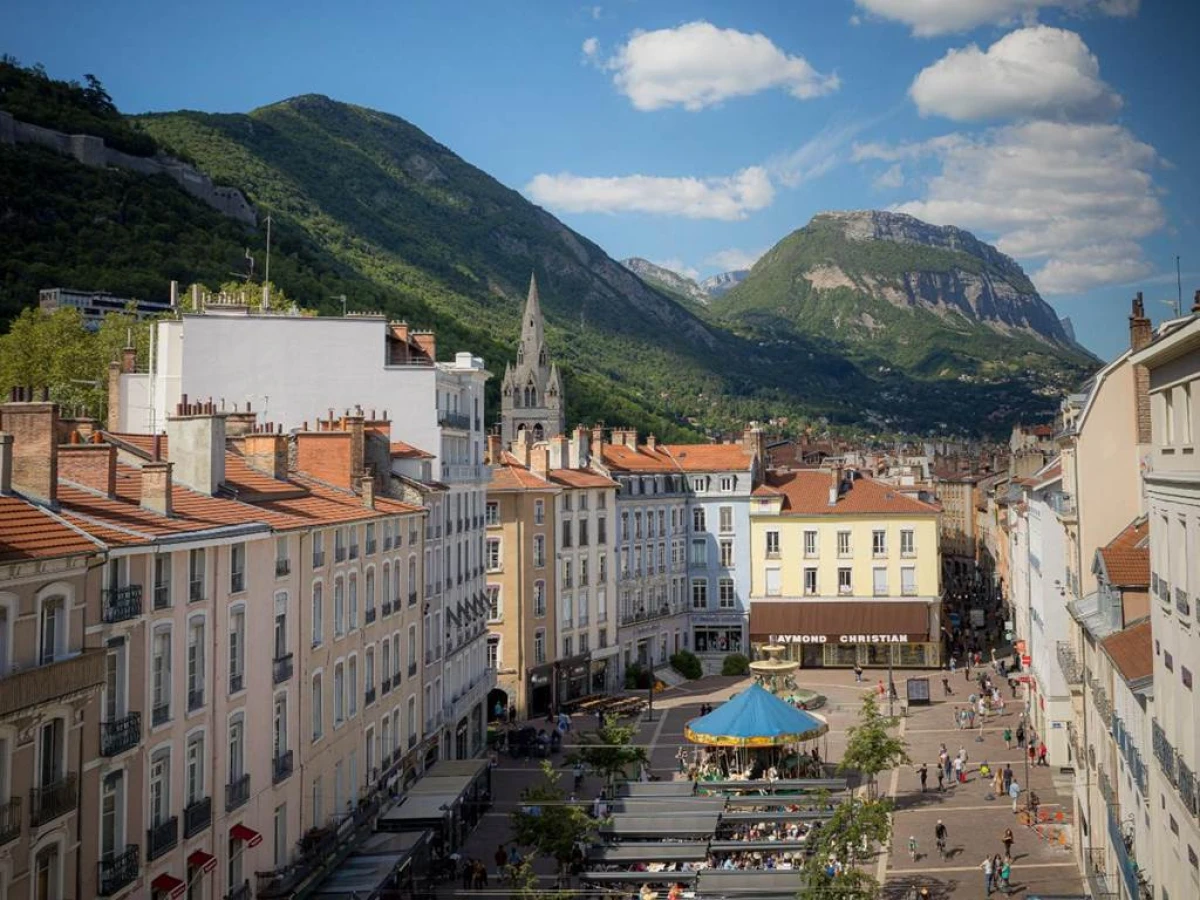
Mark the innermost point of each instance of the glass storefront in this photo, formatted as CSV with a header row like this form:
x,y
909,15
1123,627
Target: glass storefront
x,y
909,655
717,640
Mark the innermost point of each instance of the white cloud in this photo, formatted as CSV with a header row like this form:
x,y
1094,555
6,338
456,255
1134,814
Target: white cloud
x,y
891,178
815,157
591,49
930,17
729,197
1039,72
697,65
732,259
597,11
1076,197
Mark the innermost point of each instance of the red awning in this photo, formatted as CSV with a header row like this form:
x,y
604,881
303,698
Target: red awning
x,y
247,836
169,885
202,860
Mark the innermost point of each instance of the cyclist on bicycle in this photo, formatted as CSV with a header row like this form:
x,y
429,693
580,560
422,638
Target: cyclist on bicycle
x,y
940,833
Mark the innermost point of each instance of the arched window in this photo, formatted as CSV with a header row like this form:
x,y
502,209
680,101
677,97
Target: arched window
x,y
539,433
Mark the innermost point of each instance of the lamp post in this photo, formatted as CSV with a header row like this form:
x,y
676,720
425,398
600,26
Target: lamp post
x,y
891,685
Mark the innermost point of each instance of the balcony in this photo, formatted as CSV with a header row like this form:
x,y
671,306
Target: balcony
x,y
1068,662
10,820
282,567
1182,602
282,668
1095,869
385,608
1164,753
162,596
454,474
369,615
412,598
120,604
369,697
370,548
449,419
318,559
237,792
162,837
118,870
282,767
412,669
51,683
195,591
1187,788
119,735
339,554
385,685
1063,504
236,682
54,800
197,816
195,699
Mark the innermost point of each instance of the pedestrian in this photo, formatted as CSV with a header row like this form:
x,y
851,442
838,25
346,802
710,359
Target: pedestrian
x,y
998,783
923,772
941,774
953,665
986,865
946,685
501,861
1033,752
1006,875
1007,841
967,669
959,774
579,774
1021,735
1014,791
1008,738
881,689
940,833
912,847
1034,802
858,672
1042,755
1008,776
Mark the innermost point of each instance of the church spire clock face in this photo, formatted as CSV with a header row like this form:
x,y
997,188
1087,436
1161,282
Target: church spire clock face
x,y
531,396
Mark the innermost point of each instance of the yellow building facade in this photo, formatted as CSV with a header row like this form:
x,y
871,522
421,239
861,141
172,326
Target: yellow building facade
x,y
845,570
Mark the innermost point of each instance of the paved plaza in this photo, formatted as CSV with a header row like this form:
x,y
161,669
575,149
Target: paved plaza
x,y
1043,863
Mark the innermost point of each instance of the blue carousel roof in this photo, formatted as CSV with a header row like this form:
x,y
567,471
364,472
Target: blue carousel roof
x,y
755,717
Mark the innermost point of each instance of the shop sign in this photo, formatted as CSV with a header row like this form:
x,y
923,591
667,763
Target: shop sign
x,y
840,638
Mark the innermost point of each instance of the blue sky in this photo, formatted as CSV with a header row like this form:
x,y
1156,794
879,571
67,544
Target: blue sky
x,y
699,134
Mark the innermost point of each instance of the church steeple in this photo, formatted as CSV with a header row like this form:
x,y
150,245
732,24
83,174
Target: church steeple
x,y
531,393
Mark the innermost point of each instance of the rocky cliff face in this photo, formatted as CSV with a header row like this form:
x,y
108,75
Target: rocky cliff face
x,y
717,285
972,278
666,278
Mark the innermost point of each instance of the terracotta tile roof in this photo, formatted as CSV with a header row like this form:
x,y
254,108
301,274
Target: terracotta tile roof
x,y
580,478
401,450
239,477
1127,556
620,458
709,457
1041,430
806,493
765,490
512,476
1132,651
1052,472
29,532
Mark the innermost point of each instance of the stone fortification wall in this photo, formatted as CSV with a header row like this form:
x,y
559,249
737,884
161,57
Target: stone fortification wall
x,y
92,151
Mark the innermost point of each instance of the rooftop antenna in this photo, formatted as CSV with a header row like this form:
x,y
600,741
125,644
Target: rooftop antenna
x,y
266,300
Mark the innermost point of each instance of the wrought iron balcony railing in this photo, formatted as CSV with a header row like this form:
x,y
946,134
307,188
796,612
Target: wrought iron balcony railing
x,y
53,800
123,603
237,792
282,767
120,734
10,820
118,870
1068,662
162,837
282,668
197,816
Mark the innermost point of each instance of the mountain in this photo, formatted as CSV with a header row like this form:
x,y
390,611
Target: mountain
x,y
717,285
363,204
668,280
890,291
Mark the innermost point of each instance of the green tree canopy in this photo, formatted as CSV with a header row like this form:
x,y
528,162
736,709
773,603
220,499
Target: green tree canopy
x,y
547,823
610,751
872,748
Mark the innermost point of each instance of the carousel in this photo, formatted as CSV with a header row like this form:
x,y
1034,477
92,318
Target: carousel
x,y
779,677
753,735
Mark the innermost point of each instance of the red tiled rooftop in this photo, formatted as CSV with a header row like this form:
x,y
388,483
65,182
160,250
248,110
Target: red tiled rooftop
x,y
709,457
619,457
510,475
1132,651
806,493
401,450
29,532
580,478
1127,556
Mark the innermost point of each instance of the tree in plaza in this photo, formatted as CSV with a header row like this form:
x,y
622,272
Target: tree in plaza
x,y
547,823
609,751
852,827
872,748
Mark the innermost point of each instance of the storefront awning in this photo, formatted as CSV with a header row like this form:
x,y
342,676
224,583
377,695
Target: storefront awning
x,y
247,836
848,622
168,885
202,860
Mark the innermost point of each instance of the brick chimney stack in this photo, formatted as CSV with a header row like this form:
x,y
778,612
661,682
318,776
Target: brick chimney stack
x,y
128,360
366,484
355,423
6,463
493,448
156,486
266,452
651,442
579,448
92,465
114,396
835,484
539,460
597,449
520,447
1140,334
34,429
196,436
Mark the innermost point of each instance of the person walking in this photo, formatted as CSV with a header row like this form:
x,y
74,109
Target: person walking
x,y
1006,875
940,833
1008,776
1014,791
1042,755
1008,738
941,774
959,776
501,859
998,783
1007,841
912,847
946,685
858,672
953,665
1021,736
986,865
923,774
881,689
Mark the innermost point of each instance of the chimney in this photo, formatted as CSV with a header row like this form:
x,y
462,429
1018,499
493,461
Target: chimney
x,y
6,463
90,465
196,436
651,442
597,448
266,452
34,429
520,447
238,423
156,487
835,484
752,443
559,454
128,360
493,448
174,294
539,460
366,484
114,396
579,448
355,423
1140,335
427,342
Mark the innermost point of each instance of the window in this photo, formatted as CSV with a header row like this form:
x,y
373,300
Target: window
x,y
237,748
396,659
48,874
568,647
539,551
907,545
195,664
772,544
699,484
726,546
879,542
53,629
493,652
810,581
699,593
539,647
318,549
112,818
583,532
281,841
369,598
539,512
162,581
843,544
566,502
318,611
698,519
495,610
160,676
879,581
539,598
908,581
160,787
566,532
339,545
637,524
493,554
282,567
726,519
195,575
339,695
387,664
114,685
602,573
194,769
237,568
339,607
1186,675
369,668
353,542
318,724
727,483
810,544
774,586
725,590
602,530
844,583
352,674
353,612
699,555
662,519
1168,661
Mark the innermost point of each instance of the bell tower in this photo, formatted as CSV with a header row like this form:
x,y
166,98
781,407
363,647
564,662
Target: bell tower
x,y
531,395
